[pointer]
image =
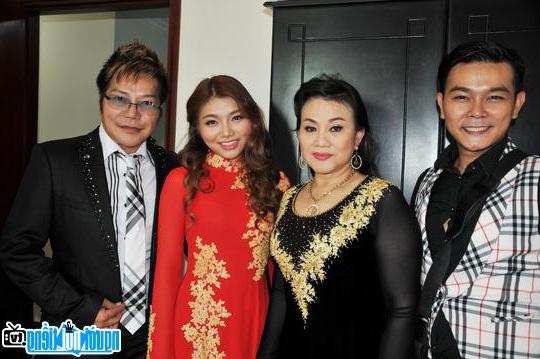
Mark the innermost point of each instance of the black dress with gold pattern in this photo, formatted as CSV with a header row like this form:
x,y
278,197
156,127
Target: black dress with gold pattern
x,y
347,280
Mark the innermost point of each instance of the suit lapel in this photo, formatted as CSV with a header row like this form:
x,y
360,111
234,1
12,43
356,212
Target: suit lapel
x,y
487,228
95,181
422,204
422,201
425,190
162,164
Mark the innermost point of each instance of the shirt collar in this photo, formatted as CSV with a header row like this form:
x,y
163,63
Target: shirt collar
x,y
216,161
488,161
110,147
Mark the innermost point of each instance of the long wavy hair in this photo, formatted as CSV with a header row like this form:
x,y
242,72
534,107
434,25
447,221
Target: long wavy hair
x,y
261,174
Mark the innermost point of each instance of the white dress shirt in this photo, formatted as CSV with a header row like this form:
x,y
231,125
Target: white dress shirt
x,y
115,170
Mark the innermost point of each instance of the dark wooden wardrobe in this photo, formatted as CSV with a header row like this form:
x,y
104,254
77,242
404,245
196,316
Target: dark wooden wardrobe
x,y
390,50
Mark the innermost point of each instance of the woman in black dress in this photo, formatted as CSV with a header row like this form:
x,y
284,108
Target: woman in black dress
x,y
346,244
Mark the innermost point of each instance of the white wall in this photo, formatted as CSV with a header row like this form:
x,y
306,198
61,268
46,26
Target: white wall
x,y
232,37
151,27
68,96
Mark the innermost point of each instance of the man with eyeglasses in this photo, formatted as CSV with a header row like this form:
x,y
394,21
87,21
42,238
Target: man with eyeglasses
x,y
95,197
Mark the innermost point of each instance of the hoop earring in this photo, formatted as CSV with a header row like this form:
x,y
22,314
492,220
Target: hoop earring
x,y
301,163
356,161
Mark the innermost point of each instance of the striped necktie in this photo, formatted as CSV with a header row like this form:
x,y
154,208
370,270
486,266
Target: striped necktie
x,y
134,281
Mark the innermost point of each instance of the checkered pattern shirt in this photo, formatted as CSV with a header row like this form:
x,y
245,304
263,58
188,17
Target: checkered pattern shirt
x,y
492,299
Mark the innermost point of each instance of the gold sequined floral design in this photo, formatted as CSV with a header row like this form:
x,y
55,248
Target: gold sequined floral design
x,y
207,313
217,161
258,235
310,266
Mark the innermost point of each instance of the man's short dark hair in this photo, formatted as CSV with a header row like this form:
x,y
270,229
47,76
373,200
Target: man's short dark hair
x,y
481,51
131,61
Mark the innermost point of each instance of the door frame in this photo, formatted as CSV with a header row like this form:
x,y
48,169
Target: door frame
x,y
19,30
35,8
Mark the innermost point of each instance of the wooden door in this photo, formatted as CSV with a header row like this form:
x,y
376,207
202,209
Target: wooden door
x,y
388,50
19,63
18,107
515,24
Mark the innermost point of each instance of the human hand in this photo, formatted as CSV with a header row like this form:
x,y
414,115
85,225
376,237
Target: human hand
x,y
109,314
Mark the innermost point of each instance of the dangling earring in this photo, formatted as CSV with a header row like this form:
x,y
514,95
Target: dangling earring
x,y
301,163
356,160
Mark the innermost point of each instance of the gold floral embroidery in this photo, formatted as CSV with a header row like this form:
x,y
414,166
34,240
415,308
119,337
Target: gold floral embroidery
x,y
354,216
207,313
284,201
216,161
239,181
259,242
151,328
258,235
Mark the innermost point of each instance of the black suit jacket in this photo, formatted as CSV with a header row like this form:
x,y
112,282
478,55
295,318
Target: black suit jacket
x,y
63,196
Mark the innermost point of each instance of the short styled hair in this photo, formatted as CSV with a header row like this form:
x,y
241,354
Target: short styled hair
x,y
333,88
478,52
130,61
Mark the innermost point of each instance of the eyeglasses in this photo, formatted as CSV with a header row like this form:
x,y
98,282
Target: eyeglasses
x,y
122,103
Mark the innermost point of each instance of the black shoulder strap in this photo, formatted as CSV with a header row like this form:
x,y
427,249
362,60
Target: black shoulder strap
x,y
509,161
439,267
417,187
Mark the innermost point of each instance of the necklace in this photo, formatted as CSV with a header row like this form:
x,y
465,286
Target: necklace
x,y
313,209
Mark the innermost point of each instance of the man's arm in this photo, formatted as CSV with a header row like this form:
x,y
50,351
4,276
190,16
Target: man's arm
x,y
25,233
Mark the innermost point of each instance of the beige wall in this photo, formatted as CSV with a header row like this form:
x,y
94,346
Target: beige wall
x,y
68,97
151,27
232,37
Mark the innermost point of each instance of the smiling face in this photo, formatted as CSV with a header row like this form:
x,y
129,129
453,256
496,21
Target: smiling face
x,y
223,127
327,135
478,105
129,127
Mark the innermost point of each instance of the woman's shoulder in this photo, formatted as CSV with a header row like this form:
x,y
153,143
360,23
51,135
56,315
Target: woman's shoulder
x,y
288,195
379,191
389,197
176,175
293,189
376,187
284,184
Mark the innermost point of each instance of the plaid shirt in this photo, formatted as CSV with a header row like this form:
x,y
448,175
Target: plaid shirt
x,y
492,299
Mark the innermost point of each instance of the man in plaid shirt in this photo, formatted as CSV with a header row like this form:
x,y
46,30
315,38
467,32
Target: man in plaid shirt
x,y
483,239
